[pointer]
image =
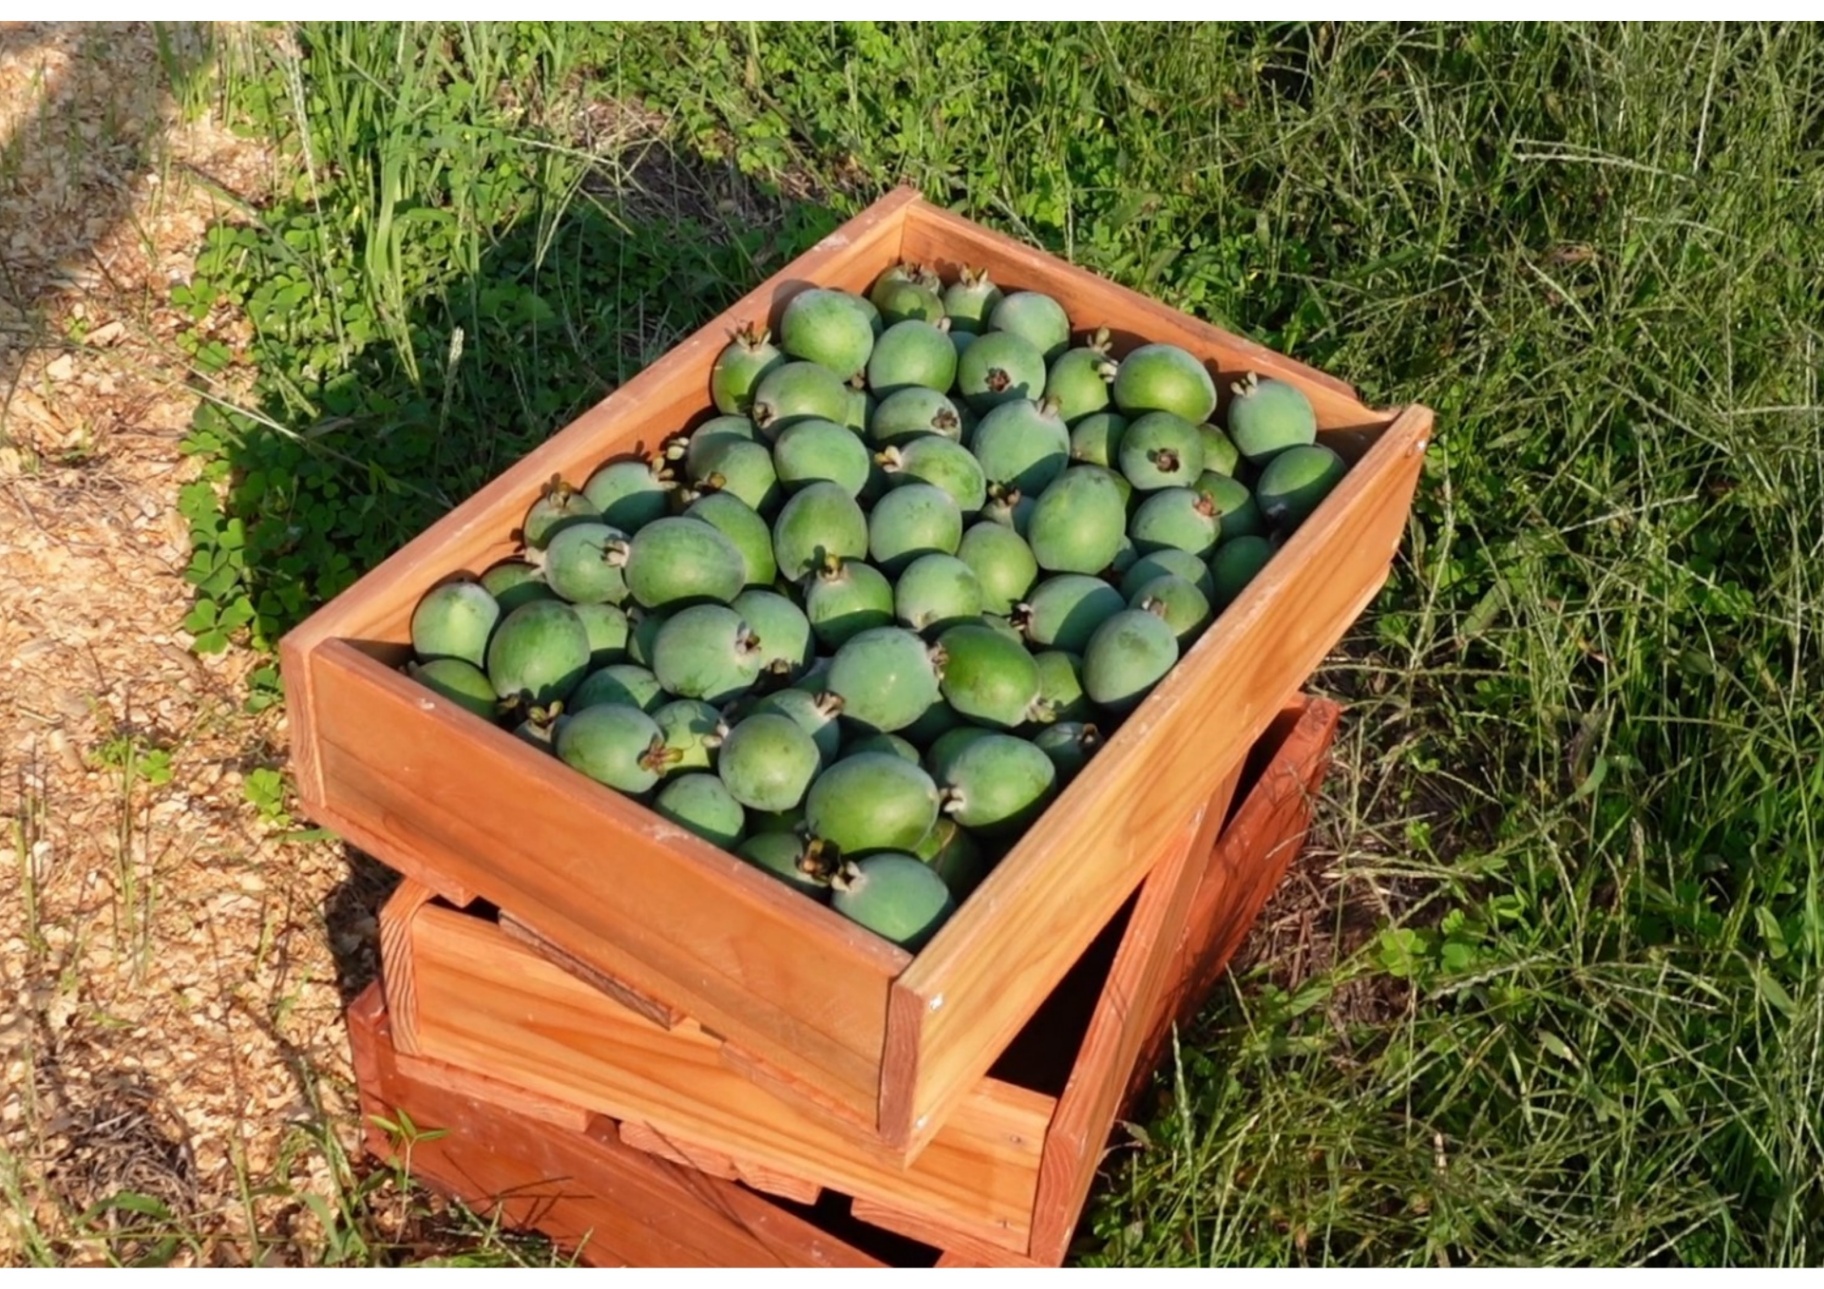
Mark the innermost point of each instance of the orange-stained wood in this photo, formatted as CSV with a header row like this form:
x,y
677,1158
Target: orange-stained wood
x,y
666,1017
709,1160
396,961
984,974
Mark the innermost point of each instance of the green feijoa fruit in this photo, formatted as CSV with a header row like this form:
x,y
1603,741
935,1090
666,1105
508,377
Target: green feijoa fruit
x,y
584,562
1079,380
702,804
1061,685
1002,626
631,494
1268,416
1037,317
693,730
707,651
1064,611
460,681
1124,558
945,747
871,802
1096,439
678,561
785,633
1161,450
1022,445
744,469
624,683
815,713
1219,452
768,762
1186,609
540,651
1164,378
1000,367
789,858
901,272
913,354
1178,517
891,744
1236,512
1129,654
1008,507
819,521
1076,523
988,678
798,391
950,852
814,451
1169,560
969,300
912,520
830,328
1235,564
777,821
942,463
937,718
514,583
740,367
912,413
706,436
861,411
454,621
844,597
644,635
538,726
817,679
935,592
886,678
558,506
1295,482
895,896
613,744
998,785
1003,563
745,529
1069,744
608,630
909,302
961,340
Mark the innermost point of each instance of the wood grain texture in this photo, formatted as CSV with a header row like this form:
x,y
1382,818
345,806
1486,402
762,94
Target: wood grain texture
x,y
660,1014
992,963
488,1003
621,1206
681,1150
396,961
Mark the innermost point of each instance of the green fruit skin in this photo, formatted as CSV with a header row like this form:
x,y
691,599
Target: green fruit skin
x,y
1235,564
1061,685
608,630
815,714
935,592
1096,439
909,302
1000,785
785,633
798,391
540,650
460,681
645,634
1164,378
912,413
912,520
678,561
554,512
1176,517
896,897
760,822
942,463
623,684
739,368
704,439
967,304
1269,418
744,469
777,854
454,621
1066,610
1004,565
988,678
885,678
702,804
579,564
1239,516
767,762
1014,514
1037,317
692,732
1127,656
745,530
1295,483
1144,458
912,353
610,743
1219,452
871,802
890,744
936,720
830,328
628,494
1079,381
813,451
706,652
514,583
1069,744
820,520
1000,367
852,600
1187,610
861,411
899,273
1077,522
955,856
946,747
1020,446
1170,560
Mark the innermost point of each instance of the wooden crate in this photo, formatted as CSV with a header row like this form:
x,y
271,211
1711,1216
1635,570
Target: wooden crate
x,y
887,1045
474,1011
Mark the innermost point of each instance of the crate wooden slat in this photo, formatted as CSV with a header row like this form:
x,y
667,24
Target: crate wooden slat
x,y
883,1045
1007,1176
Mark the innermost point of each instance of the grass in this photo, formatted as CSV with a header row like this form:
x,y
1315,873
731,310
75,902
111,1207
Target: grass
x,y
1569,1006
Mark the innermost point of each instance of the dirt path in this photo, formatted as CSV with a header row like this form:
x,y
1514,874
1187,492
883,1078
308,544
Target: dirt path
x,y
168,987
